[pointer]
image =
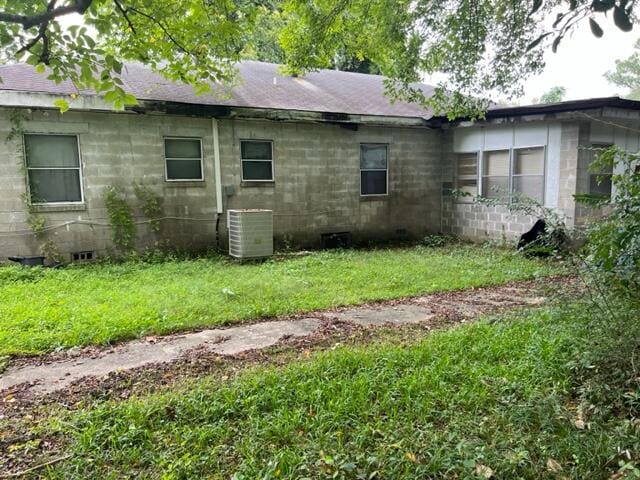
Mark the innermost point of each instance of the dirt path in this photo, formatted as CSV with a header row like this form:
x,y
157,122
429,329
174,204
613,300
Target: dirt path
x,y
45,375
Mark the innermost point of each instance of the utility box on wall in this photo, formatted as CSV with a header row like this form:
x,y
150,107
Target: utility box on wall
x,y
250,233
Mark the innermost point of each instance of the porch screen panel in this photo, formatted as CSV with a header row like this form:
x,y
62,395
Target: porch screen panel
x,y
528,173
495,174
600,181
467,173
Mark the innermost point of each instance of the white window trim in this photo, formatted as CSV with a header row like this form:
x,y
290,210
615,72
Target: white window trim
x,y
512,159
386,170
242,160
164,154
78,168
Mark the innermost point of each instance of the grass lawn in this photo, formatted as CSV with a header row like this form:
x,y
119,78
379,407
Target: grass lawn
x,y
44,309
498,399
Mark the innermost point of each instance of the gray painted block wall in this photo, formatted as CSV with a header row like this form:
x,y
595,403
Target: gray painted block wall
x,y
118,150
316,188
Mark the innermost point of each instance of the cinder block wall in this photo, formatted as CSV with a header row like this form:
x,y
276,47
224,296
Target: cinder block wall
x,y
316,187
482,222
115,149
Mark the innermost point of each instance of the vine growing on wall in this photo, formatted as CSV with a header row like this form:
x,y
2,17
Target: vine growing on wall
x,y
123,227
151,205
37,223
17,117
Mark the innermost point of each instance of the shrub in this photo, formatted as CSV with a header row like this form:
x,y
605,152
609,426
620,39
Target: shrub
x,y
612,250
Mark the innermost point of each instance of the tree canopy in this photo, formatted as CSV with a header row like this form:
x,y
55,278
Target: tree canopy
x,y
479,47
553,95
627,74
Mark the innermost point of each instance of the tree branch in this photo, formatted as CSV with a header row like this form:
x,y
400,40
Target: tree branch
x,y
27,22
42,35
181,47
124,11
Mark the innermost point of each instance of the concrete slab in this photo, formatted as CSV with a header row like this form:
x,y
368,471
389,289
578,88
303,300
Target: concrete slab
x,y
225,341
394,315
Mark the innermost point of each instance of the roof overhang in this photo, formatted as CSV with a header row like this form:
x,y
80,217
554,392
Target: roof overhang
x,y
87,103
607,107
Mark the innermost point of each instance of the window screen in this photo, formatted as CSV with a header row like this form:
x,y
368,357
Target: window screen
x,y
528,173
600,182
495,174
183,158
373,169
257,160
53,168
467,173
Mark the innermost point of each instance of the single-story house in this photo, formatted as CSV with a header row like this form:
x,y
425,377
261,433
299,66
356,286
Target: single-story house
x,y
328,153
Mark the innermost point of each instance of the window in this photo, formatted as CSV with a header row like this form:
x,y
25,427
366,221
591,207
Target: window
x,y
373,169
528,173
600,182
467,173
513,173
257,160
53,168
495,174
183,159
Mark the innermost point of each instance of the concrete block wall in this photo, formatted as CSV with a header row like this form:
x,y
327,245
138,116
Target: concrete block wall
x,y
116,149
316,187
478,222
570,141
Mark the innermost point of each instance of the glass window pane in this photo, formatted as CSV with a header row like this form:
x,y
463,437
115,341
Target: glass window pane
x,y
529,161
256,170
256,150
496,163
182,148
54,186
530,187
184,170
495,187
373,156
600,184
51,150
373,182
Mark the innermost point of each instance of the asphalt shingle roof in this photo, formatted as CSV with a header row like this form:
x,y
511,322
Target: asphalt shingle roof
x,y
260,86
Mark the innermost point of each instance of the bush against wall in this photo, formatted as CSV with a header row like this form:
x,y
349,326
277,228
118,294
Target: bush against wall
x,y
612,250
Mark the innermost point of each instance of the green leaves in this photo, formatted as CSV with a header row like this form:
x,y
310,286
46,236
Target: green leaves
x,y
621,19
613,248
595,28
61,104
188,41
627,74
